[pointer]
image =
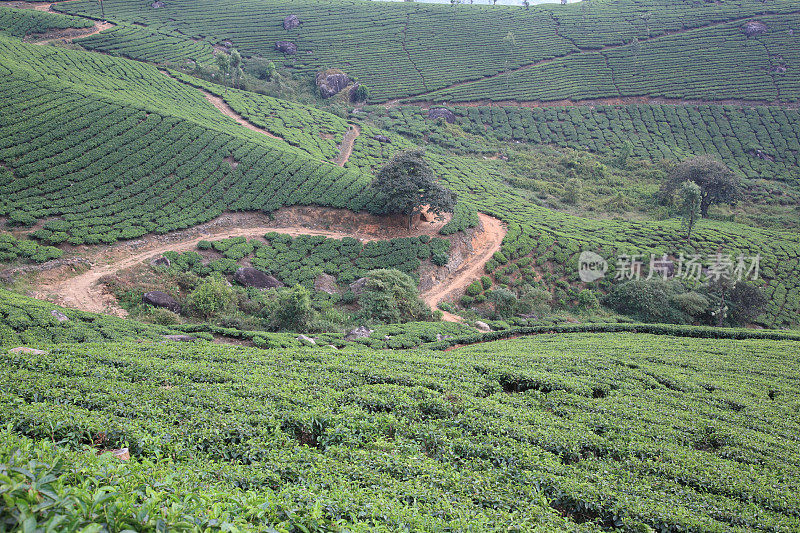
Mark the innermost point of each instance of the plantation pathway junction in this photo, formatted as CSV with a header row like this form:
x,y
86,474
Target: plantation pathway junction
x,y
85,293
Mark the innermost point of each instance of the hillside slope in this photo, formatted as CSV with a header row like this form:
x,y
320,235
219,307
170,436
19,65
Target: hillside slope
x,y
573,432
682,49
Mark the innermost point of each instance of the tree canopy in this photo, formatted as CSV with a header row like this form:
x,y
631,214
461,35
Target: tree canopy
x,y
718,183
408,185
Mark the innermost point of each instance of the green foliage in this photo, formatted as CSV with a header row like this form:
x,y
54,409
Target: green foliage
x,y
233,436
592,46
22,22
391,296
656,301
25,321
292,309
212,297
406,184
13,249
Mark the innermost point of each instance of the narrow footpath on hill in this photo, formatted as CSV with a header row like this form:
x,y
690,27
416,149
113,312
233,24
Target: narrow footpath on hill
x,y
223,107
84,292
68,34
346,148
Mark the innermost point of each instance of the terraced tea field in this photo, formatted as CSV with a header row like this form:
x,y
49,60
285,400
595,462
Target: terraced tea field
x,y
548,52
578,432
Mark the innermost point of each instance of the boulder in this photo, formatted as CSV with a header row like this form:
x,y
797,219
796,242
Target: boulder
x,y
382,139
326,283
360,332
181,338
286,47
358,286
250,277
482,326
58,315
26,350
157,4
441,112
331,81
291,22
754,27
161,299
306,340
161,262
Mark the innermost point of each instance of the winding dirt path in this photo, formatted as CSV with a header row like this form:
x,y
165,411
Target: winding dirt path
x,y
346,149
68,34
223,107
85,293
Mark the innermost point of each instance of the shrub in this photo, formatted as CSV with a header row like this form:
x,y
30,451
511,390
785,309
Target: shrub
x,y
587,299
212,296
655,301
293,310
392,296
505,302
486,282
475,288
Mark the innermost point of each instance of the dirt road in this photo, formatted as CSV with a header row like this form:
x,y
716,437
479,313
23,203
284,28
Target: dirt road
x,y
68,34
346,149
227,110
84,292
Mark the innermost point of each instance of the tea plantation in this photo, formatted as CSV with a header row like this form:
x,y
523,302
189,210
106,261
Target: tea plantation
x,y
574,432
616,48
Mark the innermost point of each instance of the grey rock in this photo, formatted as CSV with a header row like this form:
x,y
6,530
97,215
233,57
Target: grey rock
x,y
358,286
482,326
291,22
442,112
227,44
250,277
157,4
58,315
306,341
360,332
29,351
330,82
161,262
181,338
161,299
382,139
286,47
754,27
326,283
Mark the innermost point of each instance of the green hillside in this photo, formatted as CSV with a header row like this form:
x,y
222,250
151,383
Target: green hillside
x,y
682,49
578,432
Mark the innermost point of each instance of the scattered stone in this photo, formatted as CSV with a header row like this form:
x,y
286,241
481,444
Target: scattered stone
x,y
161,262
360,332
330,82
763,155
181,338
122,454
358,286
482,326
442,112
306,341
161,299
382,139
286,47
227,44
157,4
779,69
26,350
326,283
291,22
250,277
330,347
58,315
440,337
754,27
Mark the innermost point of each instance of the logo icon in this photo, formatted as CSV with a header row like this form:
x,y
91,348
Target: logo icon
x,y
591,267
